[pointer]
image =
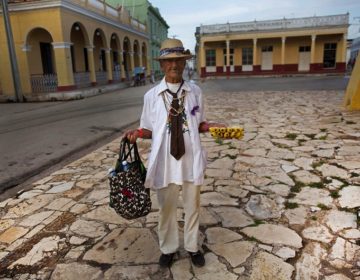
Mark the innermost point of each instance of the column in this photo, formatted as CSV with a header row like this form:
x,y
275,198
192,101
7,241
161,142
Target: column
x,y
342,64
132,63
122,68
90,55
141,59
255,66
148,65
202,61
64,69
227,57
109,70
25,72
352,95
312,53
283,40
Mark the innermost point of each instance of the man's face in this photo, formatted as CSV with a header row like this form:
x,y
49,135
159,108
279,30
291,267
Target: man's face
x,y
173,69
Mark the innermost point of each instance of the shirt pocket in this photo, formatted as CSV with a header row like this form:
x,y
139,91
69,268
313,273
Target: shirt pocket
x,y
159,112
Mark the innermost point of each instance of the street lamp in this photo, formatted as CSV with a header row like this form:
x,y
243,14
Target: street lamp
x,y
11,47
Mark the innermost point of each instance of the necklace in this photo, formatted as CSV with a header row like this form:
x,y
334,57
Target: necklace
x,y
168,103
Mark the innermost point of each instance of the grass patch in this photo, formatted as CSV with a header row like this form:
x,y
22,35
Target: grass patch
x,y
300,141
219,141
323,137
311,135
323,129
258,222
231,156
281,146
316,164
297,187
291,195
323,206
326,181
334,194
345,183
252,238
291,205
313,218
350,122
291,136
318,185
353,174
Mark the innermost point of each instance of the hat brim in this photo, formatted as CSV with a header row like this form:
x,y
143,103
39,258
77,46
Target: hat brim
x,y
174,55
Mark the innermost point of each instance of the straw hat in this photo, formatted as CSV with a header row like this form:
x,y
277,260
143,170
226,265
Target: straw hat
x,y
173,48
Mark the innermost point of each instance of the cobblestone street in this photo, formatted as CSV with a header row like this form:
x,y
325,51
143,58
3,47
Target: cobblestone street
x,y
282,203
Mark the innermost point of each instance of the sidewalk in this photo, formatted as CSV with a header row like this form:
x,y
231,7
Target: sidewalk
x,y
282,203
70,95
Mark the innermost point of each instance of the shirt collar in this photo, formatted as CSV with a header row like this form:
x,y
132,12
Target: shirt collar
x,y
163,87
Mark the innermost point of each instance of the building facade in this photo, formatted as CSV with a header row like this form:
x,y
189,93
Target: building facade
x,y
63,45
285,46
354,49
145,12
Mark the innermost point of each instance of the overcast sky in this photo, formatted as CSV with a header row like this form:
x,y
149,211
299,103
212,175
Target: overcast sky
x,y
185,15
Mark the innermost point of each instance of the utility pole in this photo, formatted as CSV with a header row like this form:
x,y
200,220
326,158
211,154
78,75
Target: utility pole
x,y
11,47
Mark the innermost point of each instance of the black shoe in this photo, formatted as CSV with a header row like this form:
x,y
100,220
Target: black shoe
x,y
166,260
197,258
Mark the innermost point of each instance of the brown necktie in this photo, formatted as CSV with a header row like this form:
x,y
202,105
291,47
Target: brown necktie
x,y
177,146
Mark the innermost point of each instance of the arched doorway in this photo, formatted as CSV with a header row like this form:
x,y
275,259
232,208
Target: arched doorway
x,y
100,57
126,58
115,57
144,56
41,61
136,52
79,55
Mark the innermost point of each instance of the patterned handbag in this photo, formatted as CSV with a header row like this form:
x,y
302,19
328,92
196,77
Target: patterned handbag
x,y
128,195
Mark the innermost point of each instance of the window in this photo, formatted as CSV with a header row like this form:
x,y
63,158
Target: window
x,y
103,60
86,60
267,48
247,56
210,58
72,53
46,58
329,55
231,56
304,48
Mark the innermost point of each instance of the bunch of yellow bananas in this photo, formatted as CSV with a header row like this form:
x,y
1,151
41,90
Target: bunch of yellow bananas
x,y
227,132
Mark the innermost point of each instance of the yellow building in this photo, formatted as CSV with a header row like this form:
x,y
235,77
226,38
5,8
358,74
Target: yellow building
x,y
284,46
63,45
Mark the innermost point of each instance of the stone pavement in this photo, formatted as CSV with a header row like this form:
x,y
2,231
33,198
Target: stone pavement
x,y
282,203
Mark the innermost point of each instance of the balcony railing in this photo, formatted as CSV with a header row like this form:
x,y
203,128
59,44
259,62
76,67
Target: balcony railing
x,y
116,75
97,6
292,23
82,79
101,78
44,83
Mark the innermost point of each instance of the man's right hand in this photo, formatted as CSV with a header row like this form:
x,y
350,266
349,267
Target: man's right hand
x,y
132,135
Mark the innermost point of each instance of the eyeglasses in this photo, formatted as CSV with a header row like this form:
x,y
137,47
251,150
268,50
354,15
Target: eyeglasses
x,y
171,60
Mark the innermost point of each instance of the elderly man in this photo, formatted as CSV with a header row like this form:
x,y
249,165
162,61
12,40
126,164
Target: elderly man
x,y
173,116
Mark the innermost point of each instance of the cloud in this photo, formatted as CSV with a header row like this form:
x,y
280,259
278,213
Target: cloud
x,y
185,17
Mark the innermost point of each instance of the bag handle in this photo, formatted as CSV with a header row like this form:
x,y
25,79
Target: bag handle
x,y
126,149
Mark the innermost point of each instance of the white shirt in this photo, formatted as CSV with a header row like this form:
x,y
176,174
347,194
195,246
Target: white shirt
x,y
163,168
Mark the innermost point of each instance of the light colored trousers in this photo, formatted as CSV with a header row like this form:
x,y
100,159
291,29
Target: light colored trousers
x,y
168,226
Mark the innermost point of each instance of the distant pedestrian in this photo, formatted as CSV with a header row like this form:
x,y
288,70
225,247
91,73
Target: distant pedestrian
x,y
152,78
190,73
173,117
